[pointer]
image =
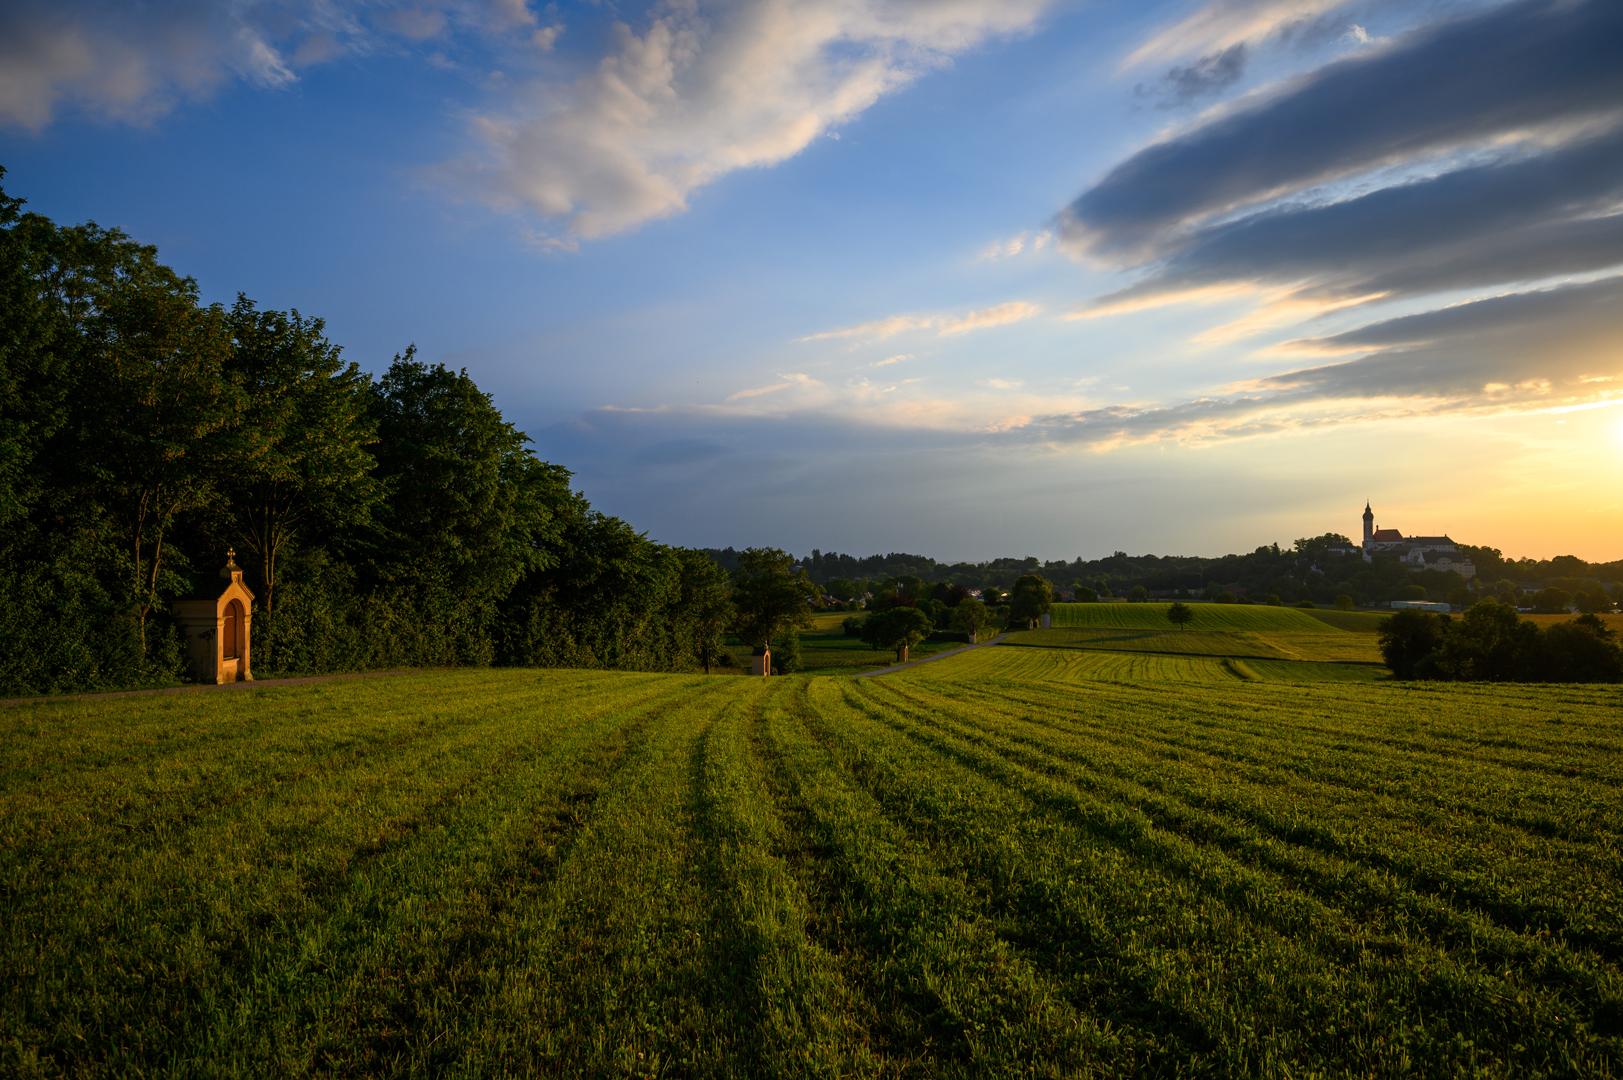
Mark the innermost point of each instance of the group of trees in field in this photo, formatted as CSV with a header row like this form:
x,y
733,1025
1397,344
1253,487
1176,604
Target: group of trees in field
x,y
381,522
1491,642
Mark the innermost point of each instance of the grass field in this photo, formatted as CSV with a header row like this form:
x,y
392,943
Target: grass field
x,y
1255,618
992,865
825,650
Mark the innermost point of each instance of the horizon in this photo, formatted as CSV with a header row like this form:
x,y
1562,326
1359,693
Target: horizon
x,y
1032,276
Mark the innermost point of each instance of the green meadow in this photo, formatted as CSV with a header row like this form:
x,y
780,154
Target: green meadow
x,y
1029,859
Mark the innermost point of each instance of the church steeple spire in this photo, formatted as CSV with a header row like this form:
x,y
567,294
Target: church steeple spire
x,y
1369,524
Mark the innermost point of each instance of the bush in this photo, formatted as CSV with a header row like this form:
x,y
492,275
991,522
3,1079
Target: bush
x,y
1086,596
1227,597
1308,604
1344,602
725,658
1275,601
852,625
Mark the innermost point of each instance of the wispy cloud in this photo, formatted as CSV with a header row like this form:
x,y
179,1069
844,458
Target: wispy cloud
x,y
944,325
1014,245
135,62
788,381
887,361
1224,24
1012,312
701,92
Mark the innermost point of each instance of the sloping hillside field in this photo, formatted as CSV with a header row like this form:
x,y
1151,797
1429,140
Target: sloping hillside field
x,y
990,865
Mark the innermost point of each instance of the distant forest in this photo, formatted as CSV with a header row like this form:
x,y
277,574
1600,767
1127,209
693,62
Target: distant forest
x,y
1303,571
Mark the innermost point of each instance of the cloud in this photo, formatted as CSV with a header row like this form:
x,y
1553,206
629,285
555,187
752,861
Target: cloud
x,y
1522,72
1523,219
123,63
1002,315
879,329
1221,26
136,62
705,90
1209,75
791,380
1008,249
892,360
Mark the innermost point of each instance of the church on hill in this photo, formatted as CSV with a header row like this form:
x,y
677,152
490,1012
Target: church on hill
x,y
1416,552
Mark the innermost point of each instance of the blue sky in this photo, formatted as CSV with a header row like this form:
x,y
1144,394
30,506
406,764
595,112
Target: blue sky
x,y
967,277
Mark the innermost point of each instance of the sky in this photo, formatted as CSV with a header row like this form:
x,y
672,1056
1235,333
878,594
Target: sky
x,y
963,278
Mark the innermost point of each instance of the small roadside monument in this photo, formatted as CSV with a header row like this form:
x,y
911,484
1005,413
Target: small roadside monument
x,y
215,618
761,660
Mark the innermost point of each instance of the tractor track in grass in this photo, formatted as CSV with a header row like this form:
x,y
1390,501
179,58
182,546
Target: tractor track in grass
x,y
1569,982
1352,881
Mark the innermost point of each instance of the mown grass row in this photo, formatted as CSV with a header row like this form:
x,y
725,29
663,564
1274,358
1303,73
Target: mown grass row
x,y
1331,647
973,868
1256,618
1019,663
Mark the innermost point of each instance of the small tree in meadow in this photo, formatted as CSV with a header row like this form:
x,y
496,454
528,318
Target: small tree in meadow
x,y
1344,602
1180,614
972,618
899,628
1139,594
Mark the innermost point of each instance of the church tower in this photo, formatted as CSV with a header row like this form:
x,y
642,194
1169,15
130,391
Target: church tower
x,y
1369,525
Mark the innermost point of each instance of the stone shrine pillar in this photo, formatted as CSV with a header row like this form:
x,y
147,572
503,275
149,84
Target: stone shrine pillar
x,y
215,617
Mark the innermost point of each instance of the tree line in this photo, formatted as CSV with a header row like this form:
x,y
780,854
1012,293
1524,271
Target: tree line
x,y
1490,642
381,522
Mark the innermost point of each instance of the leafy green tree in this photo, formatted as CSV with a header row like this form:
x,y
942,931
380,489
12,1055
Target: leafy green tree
x,y
840,589
1275,601
1085,595
1180,614
1139,594
1595,602
1552,601
1344,602
704,604
1581,650
935,610
972,618
1408,637
991,595
300,456
1489,643
1307,604
1030,599
469,509
1461,597
786,653
900,628
769,595
156,392
1410,592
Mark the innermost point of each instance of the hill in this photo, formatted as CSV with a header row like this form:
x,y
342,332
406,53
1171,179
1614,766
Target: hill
x,y
1253,617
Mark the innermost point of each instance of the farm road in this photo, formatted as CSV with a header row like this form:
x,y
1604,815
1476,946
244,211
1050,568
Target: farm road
x,y
927,659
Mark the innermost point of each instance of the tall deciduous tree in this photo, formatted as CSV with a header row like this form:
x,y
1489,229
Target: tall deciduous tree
x,y
469,508
769,595
1030,599
706,607
300,453
156,391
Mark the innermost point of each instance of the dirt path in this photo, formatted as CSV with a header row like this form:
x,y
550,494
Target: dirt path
x,y
927,659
